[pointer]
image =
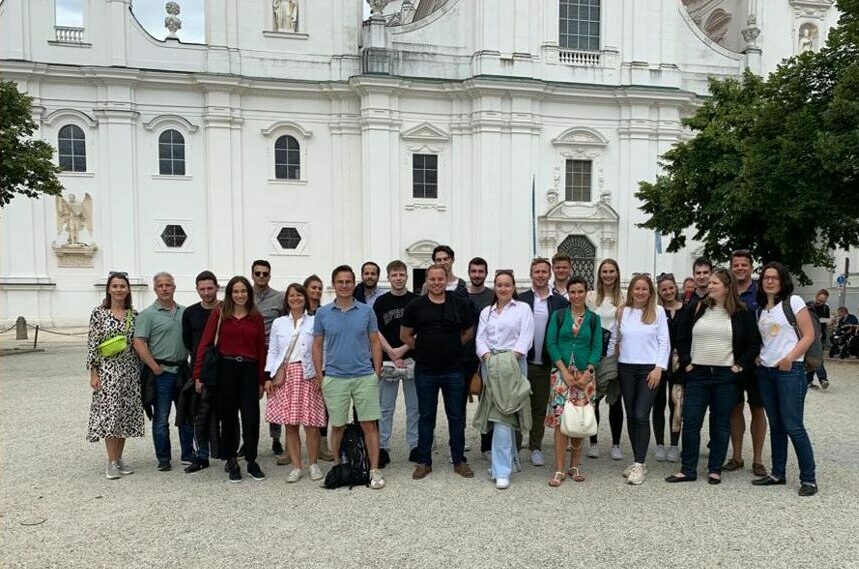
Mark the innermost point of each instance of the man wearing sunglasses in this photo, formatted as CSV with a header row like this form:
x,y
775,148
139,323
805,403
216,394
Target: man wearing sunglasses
x,y
269,303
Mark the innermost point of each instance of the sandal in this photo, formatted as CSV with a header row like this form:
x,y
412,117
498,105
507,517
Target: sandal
x,y
733,465
556,480
759,469
574,473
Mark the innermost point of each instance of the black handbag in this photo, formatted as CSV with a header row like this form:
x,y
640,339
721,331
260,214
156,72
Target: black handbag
x,y
211,359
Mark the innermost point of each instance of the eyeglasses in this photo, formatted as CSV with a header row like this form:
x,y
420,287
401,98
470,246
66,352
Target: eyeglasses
x,y
120,274
261,273
769,278
665,277
641,275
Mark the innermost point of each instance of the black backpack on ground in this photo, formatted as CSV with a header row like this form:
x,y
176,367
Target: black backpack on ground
x,y
354,467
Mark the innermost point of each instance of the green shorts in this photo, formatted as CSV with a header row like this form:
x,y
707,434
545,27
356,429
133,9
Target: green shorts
x,y
339,392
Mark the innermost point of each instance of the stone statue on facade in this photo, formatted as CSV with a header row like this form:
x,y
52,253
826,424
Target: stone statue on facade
x,y
285,15
72,216
172,22
807,38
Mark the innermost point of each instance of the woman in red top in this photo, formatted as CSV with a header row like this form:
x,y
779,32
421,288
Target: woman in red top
x,y
241,373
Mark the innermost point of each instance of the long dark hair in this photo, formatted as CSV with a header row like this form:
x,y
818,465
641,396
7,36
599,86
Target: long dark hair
x,y
499,273
784,280
122,276
300,290
227,306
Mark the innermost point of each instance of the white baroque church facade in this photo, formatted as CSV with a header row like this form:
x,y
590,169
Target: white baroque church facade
x,y
305,134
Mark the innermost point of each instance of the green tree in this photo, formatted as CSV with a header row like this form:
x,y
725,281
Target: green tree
x,y
26,165
773,164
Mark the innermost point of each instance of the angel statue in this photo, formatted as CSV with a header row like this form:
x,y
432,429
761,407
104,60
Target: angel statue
x,y
72,216
285,15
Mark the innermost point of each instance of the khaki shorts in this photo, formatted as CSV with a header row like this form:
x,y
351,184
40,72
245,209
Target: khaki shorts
x,y
363,391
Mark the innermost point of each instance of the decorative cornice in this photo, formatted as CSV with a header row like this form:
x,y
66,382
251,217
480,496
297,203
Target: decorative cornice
x,y
288,126
161,119
57,115
426,132
580,136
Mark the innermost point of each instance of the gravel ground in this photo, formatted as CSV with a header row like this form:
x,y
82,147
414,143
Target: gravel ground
x,y
58,510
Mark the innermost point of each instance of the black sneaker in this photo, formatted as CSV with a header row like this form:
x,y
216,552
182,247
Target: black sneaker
x,y
234,470
808,490
196,466
255,472
824,384
384,458
413,455
164,465
276,447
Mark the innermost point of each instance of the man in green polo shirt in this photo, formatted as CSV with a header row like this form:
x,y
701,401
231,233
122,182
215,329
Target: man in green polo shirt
x,y
158,343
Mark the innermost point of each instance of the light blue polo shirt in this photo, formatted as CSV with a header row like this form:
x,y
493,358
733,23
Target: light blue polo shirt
x,y
347,341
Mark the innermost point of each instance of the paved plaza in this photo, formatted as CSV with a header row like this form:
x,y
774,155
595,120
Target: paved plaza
x,y
58,510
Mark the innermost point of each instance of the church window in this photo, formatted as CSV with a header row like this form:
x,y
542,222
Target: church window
x,y
579,25
287,158
289,237
71,149
578,181
174,236
171,153
425,176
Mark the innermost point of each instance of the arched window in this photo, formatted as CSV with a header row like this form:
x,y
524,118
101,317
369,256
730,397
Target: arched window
x,y
583,253
171,153
287,158
71,148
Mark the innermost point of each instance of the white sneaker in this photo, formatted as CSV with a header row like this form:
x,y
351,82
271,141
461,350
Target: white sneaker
x,y
467,446
502,483
316,472
537,458
615,453
672,455
627,470
659,453
593,451
636,476
376,480
294,475
112,472
124,469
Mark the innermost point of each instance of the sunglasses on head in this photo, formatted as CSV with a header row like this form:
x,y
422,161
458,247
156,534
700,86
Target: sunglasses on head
x,y
665,277
261,273
121,274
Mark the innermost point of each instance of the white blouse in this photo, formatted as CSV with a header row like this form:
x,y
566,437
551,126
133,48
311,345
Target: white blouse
x,y
641,343
777,335
607,310
280,338
512,329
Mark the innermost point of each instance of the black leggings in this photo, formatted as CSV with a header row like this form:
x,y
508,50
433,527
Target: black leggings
x,y
615,420
663,398
638,402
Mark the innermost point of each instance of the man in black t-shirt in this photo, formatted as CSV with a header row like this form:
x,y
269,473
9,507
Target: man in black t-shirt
x,y
436,326
194,320
397,365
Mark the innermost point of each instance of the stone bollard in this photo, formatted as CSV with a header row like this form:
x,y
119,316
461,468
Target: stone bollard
x,y
21,328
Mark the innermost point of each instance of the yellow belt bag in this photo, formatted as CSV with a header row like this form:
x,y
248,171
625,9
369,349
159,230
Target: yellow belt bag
x,y
116,344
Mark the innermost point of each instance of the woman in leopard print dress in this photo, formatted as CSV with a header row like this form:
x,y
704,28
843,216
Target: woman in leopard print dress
x,y
116,412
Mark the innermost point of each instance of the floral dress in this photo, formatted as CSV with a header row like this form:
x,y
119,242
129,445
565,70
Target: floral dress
x,y
559,392
116,410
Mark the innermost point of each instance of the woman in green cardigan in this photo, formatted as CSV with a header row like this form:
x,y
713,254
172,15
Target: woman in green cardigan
x,y
574,342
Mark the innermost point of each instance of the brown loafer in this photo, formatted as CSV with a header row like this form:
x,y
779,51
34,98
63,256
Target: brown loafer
x,y
283,460
733,465
421,471
326,455
759,469
464,470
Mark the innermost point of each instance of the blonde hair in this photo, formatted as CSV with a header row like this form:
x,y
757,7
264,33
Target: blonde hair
x,y
614,294
648,315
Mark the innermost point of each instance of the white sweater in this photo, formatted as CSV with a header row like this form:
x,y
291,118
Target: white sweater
x,y
640,343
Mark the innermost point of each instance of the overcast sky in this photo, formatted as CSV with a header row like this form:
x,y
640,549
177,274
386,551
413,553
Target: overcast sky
x,y
151,14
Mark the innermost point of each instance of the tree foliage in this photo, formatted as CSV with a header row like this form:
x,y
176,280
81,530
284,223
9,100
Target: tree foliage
x,y
26,164
773,164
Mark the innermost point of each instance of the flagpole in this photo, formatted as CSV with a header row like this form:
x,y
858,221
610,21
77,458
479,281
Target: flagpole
x,y
533,216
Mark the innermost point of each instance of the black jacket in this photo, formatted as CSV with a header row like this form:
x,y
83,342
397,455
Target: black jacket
x,y
556,302
745,338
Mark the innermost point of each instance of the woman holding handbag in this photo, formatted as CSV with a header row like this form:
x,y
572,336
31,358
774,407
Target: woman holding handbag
x,y
604,302
641,342
237,331
294,394
116,412
505,326
715,343
574,342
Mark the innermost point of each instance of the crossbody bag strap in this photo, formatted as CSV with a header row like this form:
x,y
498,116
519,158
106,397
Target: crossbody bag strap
x,y
218,329
128,316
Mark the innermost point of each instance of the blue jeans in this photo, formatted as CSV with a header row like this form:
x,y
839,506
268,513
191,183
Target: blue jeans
x,y
388,401
714,387
504,448
452,386
165,388
783,393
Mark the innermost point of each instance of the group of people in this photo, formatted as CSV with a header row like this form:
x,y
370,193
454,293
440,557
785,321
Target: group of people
x,y
727,340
